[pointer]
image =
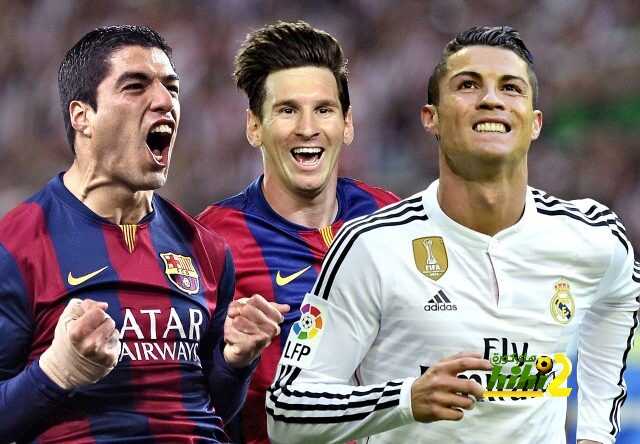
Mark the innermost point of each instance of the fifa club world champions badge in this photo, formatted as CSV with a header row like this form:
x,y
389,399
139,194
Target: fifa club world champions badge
x,y
430,256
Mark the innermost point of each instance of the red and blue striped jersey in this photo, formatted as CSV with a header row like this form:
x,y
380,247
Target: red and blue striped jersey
x,y
168,282
279,260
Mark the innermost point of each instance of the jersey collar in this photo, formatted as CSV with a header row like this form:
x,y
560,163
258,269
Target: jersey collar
x,y
58,187
256,196
468,236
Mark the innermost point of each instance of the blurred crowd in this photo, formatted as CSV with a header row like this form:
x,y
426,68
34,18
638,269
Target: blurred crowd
x,y
586,56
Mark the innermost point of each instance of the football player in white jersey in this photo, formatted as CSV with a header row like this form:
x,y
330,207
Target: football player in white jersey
x,y
478,262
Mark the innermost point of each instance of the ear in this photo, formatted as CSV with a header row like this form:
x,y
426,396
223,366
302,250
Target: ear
x,y
536,125
429,118
81,116
253,129
348,128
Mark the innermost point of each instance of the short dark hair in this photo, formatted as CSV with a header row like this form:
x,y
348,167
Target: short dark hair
x,y
87,64
286,45
499,36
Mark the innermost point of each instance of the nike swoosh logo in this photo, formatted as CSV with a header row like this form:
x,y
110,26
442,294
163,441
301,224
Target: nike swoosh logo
x,y
79,280
284,280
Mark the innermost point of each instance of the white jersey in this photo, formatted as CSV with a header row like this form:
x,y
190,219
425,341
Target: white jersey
x,y
407,286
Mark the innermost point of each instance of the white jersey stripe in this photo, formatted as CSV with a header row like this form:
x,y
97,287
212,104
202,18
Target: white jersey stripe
x,y
394,210
352,230
618,402
604,218
326,407
324,291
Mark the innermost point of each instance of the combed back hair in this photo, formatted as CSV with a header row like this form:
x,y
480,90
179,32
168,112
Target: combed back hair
x,y
87,64
499,36
286,45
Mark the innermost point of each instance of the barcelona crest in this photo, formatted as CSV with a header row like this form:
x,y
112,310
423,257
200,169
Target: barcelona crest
x,y
181,272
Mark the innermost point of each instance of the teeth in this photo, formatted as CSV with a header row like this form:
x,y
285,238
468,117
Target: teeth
x,y
162,129
307,150
490,127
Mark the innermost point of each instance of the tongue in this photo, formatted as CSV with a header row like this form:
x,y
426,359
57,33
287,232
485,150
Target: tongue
x,y
158,155
306,158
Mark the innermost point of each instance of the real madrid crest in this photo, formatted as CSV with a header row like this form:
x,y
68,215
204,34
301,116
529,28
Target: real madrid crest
x,y
430,256
181,272
562,305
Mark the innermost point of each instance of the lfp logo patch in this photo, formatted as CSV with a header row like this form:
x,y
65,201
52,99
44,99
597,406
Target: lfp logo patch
x,y
309,324
181,272
305,335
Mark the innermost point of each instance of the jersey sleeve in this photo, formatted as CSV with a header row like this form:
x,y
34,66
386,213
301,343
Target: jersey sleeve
x,y
27,395
228,385
314,397
605,339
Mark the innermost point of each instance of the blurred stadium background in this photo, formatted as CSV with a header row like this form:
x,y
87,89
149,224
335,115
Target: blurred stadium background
x,y
587,56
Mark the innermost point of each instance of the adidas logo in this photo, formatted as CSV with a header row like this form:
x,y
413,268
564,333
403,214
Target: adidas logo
x,y
440,302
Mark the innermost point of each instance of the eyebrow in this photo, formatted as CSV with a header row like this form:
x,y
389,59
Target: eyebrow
x,y
144,77
475,75
294,104
508,77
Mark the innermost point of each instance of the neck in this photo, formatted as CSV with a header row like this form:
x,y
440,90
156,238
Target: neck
x,y
487,206
312,211
112,201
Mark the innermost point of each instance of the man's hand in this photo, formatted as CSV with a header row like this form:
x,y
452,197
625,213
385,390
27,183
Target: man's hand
x,y
439,394
85,346
250,326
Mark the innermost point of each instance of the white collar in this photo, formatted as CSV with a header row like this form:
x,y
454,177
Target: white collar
x,y
468,236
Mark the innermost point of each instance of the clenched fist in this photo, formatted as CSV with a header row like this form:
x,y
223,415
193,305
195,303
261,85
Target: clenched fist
x,y
250,326
85,345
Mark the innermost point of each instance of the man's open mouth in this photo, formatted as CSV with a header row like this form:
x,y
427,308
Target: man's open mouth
x,y
307,156
158,142
491,127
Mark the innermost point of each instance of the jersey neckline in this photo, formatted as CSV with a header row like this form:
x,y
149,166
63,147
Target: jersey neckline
x,y
61,191
468,236
256,194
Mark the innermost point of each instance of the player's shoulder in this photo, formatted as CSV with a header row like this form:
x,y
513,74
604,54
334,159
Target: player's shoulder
x,y
382,196
395,219
373,241
586,216
27,220
19,228
19,217
190,228
584,211
225,211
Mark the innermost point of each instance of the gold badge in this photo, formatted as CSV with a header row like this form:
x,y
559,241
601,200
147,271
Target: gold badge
x,y
562,306
430,256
